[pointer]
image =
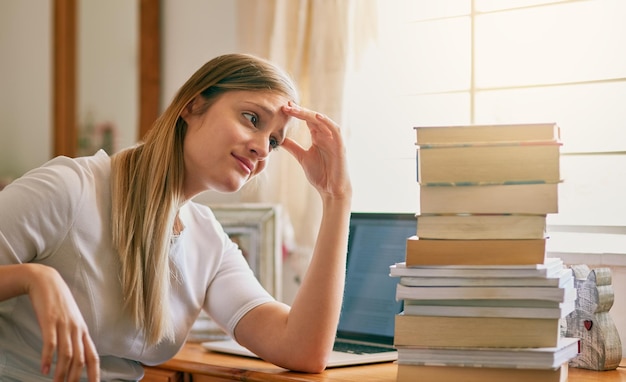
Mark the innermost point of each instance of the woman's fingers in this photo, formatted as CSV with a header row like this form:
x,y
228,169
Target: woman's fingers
x,y
47,352
317,122
64,331
92,361
64,356
293,148
324,162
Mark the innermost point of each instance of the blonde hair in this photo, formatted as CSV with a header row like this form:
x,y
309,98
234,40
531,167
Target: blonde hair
x,y
147,187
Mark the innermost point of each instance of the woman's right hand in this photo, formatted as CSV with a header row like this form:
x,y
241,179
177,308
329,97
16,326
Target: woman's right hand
x,y
63,327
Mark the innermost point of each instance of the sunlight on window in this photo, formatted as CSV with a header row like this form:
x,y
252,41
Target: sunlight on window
x,y
424,10
435,56
505,61
591,116
576,242
561,43
495,5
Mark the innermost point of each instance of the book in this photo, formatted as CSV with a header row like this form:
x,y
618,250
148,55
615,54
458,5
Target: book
x,y
481,226
421,251
527,358
444,331
560,310
566,293
435,135
494,303
560,280
549,268
412,373
519,162
533,198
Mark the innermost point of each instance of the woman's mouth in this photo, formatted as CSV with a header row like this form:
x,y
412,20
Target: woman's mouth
x,y
246,165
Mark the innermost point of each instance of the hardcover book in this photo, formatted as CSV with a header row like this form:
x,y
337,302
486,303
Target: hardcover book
x,y
443,331
519,162
532,198
474,252
437,135
412,373
481,226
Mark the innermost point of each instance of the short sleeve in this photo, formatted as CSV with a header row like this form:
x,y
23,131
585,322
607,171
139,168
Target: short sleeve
x,y
37,210
225,282
234,291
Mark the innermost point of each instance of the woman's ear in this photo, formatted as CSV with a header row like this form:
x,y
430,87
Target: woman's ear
x,y
188,110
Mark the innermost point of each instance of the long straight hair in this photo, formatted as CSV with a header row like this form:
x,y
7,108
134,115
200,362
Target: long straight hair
x,y
147,187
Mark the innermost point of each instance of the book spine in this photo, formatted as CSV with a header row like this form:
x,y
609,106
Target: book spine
x,y
439,331
421,252
495,164
523,198
440,373
489,293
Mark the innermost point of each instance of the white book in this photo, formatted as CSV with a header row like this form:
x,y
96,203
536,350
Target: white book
x,y
567,293
494,303
550,268
558,280
560,310
530,358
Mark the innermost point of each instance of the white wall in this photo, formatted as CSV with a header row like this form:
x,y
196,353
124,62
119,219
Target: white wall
x,y
194,31
25,85
108,70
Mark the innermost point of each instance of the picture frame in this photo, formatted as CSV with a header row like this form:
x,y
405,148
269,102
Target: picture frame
x,y
256,228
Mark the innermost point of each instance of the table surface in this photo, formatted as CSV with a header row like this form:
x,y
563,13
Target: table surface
x,y
193,358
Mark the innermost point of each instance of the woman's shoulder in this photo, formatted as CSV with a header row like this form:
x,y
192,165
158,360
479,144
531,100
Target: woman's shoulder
x,y
62,179
71,170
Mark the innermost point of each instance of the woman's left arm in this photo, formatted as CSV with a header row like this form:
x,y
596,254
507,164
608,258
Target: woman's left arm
x,y
301,337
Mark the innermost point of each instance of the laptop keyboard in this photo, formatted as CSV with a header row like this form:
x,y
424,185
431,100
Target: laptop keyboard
x,y
346,347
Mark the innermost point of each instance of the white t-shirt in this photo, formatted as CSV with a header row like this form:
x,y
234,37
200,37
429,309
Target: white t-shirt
x,y
59,215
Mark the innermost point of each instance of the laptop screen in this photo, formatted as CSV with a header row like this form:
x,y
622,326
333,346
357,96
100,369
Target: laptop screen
x,y
376,241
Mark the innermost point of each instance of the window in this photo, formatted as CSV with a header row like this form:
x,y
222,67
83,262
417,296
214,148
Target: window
x,y
498,61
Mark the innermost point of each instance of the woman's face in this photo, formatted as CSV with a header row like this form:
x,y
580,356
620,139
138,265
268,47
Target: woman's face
x,y
230,143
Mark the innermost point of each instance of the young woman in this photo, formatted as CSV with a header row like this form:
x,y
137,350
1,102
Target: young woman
x,y
105,262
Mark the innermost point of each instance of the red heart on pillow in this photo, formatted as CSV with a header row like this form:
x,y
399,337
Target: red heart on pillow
x,y
588,324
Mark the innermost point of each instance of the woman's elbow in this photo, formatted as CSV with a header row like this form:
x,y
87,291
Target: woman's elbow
x,y
311,365
308,362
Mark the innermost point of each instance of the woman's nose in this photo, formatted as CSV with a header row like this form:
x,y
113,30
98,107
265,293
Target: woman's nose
x,y
260,145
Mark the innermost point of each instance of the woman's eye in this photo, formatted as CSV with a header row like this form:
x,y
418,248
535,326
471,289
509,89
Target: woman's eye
x,y
252,118
274,143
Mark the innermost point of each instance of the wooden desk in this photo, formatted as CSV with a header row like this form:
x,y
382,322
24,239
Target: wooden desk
x,y
193,363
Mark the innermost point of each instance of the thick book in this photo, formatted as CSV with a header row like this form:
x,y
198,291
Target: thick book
x,y
413,373
444,331
421,251
437,135
526,358
560,280
567,293
532,310
533,198
481,226
489,163
551,267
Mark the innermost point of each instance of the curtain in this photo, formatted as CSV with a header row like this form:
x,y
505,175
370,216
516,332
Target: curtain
x,y
315,41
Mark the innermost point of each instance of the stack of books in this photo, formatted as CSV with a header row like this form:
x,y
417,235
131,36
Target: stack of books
x,y
482,302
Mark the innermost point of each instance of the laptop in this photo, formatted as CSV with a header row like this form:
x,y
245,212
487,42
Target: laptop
x,y
366,326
